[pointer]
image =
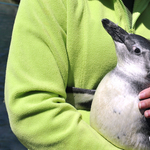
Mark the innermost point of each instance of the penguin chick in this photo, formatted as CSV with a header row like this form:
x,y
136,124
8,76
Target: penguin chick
x,y
114,112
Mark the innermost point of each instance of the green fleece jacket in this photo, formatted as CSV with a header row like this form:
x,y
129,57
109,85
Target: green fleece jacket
x,y
55,44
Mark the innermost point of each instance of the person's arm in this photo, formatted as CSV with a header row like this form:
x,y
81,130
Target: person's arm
x,y
144,96
36,79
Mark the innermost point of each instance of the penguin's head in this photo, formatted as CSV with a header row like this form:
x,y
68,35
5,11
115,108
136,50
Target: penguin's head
x,y
133,51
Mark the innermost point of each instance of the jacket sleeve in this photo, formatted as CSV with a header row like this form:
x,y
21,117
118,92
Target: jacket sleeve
x,y
36,79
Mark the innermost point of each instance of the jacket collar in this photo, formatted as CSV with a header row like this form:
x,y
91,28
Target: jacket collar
x,y
124,18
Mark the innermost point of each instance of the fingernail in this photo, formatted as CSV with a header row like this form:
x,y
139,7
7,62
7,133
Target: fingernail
x,y
146,114
141,95
141,105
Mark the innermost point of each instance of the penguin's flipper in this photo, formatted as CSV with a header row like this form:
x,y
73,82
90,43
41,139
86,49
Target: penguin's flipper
x,y
80,98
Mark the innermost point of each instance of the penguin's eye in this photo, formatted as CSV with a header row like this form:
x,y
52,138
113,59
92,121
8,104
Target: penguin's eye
x,y
136,50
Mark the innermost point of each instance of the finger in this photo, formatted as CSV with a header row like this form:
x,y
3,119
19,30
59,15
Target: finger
x,y
144,104
147,113
144,94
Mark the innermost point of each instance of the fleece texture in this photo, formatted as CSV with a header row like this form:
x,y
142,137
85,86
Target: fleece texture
x,y
55,44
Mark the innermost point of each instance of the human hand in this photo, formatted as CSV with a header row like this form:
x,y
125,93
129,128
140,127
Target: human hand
x,y
145,103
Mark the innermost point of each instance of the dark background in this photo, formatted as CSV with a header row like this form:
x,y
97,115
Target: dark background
x,y
11,1
8,10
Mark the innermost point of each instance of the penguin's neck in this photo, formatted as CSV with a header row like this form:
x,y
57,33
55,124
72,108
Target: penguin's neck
x,y
136,81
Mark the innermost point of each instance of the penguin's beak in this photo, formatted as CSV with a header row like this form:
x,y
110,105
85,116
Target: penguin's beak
x,y
116,32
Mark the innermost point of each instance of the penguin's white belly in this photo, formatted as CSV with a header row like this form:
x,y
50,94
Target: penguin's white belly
x,y
115,115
